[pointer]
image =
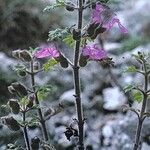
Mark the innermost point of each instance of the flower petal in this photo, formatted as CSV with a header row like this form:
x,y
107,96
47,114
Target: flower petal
x,y
47,52
94,53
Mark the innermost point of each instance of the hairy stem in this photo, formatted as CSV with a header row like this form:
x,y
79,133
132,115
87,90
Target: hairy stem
x,y
42,121
140,123
77,81
26,138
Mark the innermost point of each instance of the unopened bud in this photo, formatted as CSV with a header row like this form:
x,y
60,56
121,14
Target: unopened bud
x,y
107,62
63,61
94,29
25,56
91,29
12,123
21,73
48,112
16,53
31,99
36,66
76,34
83,60
68,133
14,105
35,143
11,89
19,88
93,5
97,32
70,6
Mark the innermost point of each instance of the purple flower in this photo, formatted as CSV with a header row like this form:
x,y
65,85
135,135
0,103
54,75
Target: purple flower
x,y
94,53
47,52
106,18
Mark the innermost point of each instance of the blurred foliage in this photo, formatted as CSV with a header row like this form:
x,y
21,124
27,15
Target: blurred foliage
x,y
131,43
23,23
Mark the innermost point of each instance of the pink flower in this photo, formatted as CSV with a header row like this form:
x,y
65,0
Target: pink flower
x,y
106,18
47,52
93,52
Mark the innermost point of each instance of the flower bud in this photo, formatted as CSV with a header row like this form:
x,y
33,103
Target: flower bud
x,y
76,34
19,88
30,104
21,73
14,105
12,123
94,29
11,89
70,6
16,53
107,62
63,61
35,143
83,60
36,66
25,56
48,112
97,32
68,133
141,56
91,29
93,5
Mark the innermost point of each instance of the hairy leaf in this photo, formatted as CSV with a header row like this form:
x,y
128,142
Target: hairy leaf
x,y
138,96
128,88
69,41
131,69
58,34
50,64
58,4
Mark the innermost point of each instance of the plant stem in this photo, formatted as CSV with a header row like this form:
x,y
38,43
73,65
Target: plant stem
x,y
26,138
42,121
140,123
77,81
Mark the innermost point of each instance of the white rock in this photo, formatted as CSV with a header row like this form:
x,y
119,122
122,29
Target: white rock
x,y
113,98
145,146
107,131
68,96
112,46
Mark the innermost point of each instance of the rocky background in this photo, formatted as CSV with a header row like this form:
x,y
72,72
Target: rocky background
x,y
23,24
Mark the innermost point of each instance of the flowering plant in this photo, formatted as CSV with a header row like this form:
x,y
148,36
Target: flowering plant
x,y
77,37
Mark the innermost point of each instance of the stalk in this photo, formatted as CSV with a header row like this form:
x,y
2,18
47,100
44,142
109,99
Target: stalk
x,y
77,81
144,103
26,138
42,121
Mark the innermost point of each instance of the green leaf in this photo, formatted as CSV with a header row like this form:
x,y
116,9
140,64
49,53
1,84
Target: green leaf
x,y
131,69
128,88
69,41
50,64
58,34
24,101
44,91
138,96
58,4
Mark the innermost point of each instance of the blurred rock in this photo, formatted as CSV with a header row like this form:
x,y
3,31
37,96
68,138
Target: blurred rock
x,y
113,98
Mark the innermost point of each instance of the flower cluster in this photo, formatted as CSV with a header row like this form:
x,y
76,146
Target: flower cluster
x,y
104,16
93,52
